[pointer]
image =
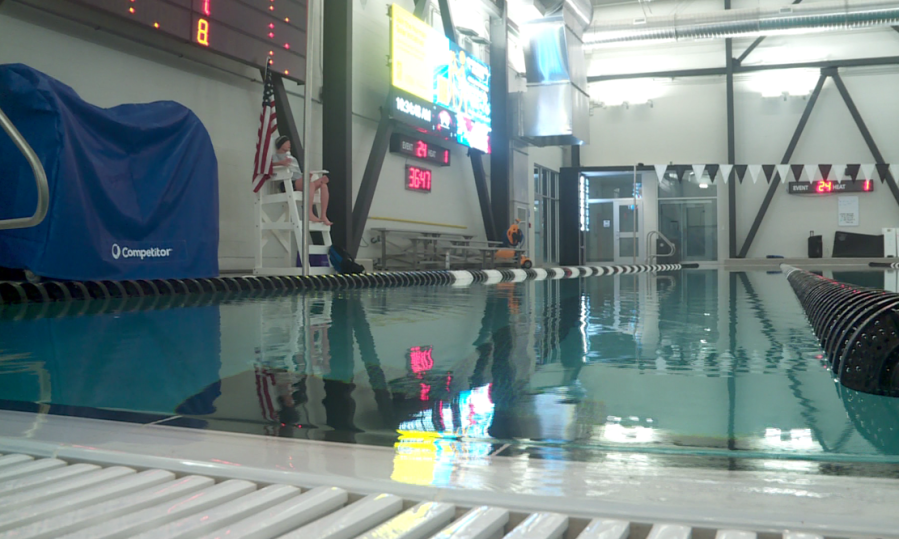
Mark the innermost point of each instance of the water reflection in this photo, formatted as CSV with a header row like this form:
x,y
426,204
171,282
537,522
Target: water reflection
x,y
699,364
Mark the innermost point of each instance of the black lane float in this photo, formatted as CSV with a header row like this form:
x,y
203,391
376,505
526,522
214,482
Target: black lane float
x,y
53,291
858,328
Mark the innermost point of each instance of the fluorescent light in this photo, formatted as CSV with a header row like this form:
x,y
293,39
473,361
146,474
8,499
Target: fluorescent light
x,y
703,186
794,82
632,92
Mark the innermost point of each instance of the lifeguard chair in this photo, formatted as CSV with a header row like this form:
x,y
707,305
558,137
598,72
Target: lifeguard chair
x,y
278,217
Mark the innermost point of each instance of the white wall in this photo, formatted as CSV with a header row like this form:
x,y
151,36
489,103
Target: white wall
x,y
687,122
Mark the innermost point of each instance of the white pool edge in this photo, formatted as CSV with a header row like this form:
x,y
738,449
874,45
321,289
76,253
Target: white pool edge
x,y
758,501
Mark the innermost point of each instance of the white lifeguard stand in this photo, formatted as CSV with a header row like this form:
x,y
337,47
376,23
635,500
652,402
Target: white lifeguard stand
x,y
279,217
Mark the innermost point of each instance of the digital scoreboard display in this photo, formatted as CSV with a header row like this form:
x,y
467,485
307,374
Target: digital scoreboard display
x,y
419,149
437,85
249,31
418,179
827,187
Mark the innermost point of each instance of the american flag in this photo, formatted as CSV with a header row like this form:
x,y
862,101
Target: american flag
x,y
268,126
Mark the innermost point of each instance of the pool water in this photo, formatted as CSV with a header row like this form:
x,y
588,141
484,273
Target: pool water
x,y
699,364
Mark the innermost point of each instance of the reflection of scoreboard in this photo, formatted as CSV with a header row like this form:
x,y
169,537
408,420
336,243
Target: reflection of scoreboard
x,y
249,31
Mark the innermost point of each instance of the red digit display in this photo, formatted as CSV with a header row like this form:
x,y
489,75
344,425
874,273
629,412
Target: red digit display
x,y
418,179
421,149
824,186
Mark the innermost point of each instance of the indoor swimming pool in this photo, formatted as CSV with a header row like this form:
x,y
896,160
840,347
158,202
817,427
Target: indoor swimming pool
x,y
695,368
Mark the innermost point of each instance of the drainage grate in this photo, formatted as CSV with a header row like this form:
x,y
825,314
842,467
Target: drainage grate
x,y
43,498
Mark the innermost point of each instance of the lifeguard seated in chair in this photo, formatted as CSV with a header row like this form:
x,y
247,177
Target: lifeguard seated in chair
x,y
283,158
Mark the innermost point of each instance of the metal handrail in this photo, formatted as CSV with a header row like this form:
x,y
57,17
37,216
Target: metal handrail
x,y
649,245
40,178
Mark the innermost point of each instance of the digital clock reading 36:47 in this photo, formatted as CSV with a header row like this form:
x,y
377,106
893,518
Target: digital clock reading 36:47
x,y
418,179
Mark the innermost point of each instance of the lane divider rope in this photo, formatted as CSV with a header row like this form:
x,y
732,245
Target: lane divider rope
x,y
12,293
858,329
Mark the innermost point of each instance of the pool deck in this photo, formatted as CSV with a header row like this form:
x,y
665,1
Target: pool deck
x,y
614,488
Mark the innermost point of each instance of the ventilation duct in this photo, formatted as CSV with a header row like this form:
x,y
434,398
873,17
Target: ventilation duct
x,y
556,104
579,13
795,19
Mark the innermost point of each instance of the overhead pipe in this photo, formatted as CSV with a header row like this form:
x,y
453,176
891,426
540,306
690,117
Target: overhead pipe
x,y
793,19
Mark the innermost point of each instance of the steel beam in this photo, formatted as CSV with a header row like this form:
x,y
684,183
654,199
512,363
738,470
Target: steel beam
x,y
866,134
501,146
705,72
826,64
576,157
287,125
480,182
731,151
722,71
337,107
449,28
775,183
369,183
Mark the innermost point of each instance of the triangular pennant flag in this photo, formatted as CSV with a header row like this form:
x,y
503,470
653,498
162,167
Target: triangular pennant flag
x,y
784,171
712,171
884,171
698,170
680,170
660,171
895,172
797,173
852,171
868,171
755,170
726,170
742,169
811,171
825,171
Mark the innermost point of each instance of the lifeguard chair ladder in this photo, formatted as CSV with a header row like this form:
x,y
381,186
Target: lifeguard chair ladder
x,y
287,227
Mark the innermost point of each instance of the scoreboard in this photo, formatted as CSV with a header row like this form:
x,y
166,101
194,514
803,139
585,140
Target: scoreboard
x,y
249,31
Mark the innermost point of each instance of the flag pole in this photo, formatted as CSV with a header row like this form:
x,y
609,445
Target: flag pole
x,y
307,133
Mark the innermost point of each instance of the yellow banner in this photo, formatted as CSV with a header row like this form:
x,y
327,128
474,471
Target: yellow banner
x,y
410,45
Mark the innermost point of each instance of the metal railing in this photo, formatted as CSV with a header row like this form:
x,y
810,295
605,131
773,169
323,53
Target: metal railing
x,y
40,178
650,246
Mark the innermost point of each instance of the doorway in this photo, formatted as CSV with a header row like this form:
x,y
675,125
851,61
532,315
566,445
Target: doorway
x,y
546,217
613,231
692,225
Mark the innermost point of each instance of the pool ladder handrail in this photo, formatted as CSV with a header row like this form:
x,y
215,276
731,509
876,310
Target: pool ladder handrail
x,y
40,178
649,245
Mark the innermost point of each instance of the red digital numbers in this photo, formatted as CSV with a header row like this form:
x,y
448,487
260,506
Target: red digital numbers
x,y
421,149
868,185
445,157
206,10
824,186
418,179
421,359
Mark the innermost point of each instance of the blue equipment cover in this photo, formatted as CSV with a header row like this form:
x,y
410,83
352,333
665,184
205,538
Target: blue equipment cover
x,y
133,188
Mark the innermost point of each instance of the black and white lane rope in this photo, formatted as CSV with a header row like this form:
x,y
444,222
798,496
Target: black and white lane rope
x,y
56,291
858,328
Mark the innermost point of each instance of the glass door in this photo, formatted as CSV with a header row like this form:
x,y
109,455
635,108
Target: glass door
x,y
628,224
692,225
613,231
